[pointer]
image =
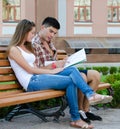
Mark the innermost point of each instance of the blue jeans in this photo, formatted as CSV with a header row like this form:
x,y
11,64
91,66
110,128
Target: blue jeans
x,y
69,79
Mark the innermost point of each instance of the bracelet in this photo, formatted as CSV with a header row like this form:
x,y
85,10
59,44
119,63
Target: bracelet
x,y
53,66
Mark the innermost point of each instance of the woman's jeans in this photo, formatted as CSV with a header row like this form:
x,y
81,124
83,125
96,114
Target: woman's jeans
x,y
69,79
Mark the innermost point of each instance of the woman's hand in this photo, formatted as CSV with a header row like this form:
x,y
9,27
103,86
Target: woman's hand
x,y
60,63
57,70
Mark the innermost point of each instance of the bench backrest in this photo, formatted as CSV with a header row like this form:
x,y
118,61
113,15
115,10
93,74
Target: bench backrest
x,y
61,54
8,82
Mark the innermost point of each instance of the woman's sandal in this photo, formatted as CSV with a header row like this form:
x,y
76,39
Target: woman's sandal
x,y
97,98
81,124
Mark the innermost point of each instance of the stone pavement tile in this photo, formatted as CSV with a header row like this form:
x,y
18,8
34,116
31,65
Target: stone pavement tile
x,y
111,120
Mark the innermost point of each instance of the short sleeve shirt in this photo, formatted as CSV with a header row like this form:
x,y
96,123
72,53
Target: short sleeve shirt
x,y
41,52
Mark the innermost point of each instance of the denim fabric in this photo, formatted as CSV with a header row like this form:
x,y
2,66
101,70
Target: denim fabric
x,y
69,79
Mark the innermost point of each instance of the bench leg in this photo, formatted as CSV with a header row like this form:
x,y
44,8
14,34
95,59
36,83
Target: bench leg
x,y
28,108
25,108
60,111
111,91
13,113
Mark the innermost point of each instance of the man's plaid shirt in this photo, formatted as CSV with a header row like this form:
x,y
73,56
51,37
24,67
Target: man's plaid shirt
x,y
41,52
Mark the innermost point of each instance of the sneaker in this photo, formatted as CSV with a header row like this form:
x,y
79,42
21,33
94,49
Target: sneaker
x,y
92,116
97,99
84,117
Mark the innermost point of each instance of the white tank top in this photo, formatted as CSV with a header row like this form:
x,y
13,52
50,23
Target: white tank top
x,y
22,75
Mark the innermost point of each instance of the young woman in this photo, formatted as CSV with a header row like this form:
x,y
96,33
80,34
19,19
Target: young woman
x,y
22,59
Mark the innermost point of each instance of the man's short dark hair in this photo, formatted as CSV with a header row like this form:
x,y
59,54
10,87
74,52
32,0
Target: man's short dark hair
x,y
50,21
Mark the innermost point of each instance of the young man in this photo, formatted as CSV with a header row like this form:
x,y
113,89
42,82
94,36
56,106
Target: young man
x,y
45,51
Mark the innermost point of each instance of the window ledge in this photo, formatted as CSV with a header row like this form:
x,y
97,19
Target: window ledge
x,y
84,23
113,23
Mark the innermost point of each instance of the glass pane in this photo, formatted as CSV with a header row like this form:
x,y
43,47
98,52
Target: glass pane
x,y
75,14
113,2
88,13
119,14
109,14
114,14
82,2
82,14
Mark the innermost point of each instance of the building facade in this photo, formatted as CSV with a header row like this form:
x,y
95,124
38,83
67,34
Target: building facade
x,y
97,23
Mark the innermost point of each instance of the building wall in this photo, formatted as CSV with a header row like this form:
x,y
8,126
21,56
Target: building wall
x,y
45,8
99,16
37,10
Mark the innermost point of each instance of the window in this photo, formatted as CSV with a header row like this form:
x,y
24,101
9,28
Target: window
x,y
113,10
11,10
82,10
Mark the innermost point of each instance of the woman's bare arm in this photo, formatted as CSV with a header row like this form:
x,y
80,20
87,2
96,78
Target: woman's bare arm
x,y
16,55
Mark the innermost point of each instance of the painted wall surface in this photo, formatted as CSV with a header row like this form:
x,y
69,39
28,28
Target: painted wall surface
x,y
37,10
99,17
45,8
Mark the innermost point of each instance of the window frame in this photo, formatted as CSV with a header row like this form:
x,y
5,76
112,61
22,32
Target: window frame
x,y
111,9
9,7
83,7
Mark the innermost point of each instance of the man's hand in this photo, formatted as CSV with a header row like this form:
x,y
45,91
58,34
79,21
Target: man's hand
x,y
48,48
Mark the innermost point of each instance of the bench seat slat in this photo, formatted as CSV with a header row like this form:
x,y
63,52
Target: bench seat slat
x,y
102,86
5,70
27,97
6,78
8,93
60,57
4,63
2,55
9,86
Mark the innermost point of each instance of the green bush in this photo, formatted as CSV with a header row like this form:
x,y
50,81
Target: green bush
x,y
116,96
113,69
88,68
81,68
118,69
97,68
105,70
114,80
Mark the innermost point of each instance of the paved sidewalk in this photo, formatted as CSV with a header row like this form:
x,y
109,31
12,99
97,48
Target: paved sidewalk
x,y
111,120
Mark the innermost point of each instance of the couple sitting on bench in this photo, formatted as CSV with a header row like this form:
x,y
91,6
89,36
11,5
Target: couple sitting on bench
x,y
34,77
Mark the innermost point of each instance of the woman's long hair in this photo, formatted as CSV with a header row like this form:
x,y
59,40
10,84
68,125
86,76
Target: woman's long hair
x,y
21,32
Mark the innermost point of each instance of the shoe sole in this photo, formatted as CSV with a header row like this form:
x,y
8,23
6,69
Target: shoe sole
x,y
95,102
107,100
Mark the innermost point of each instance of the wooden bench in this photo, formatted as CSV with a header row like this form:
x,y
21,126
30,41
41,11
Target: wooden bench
x,y
11,93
